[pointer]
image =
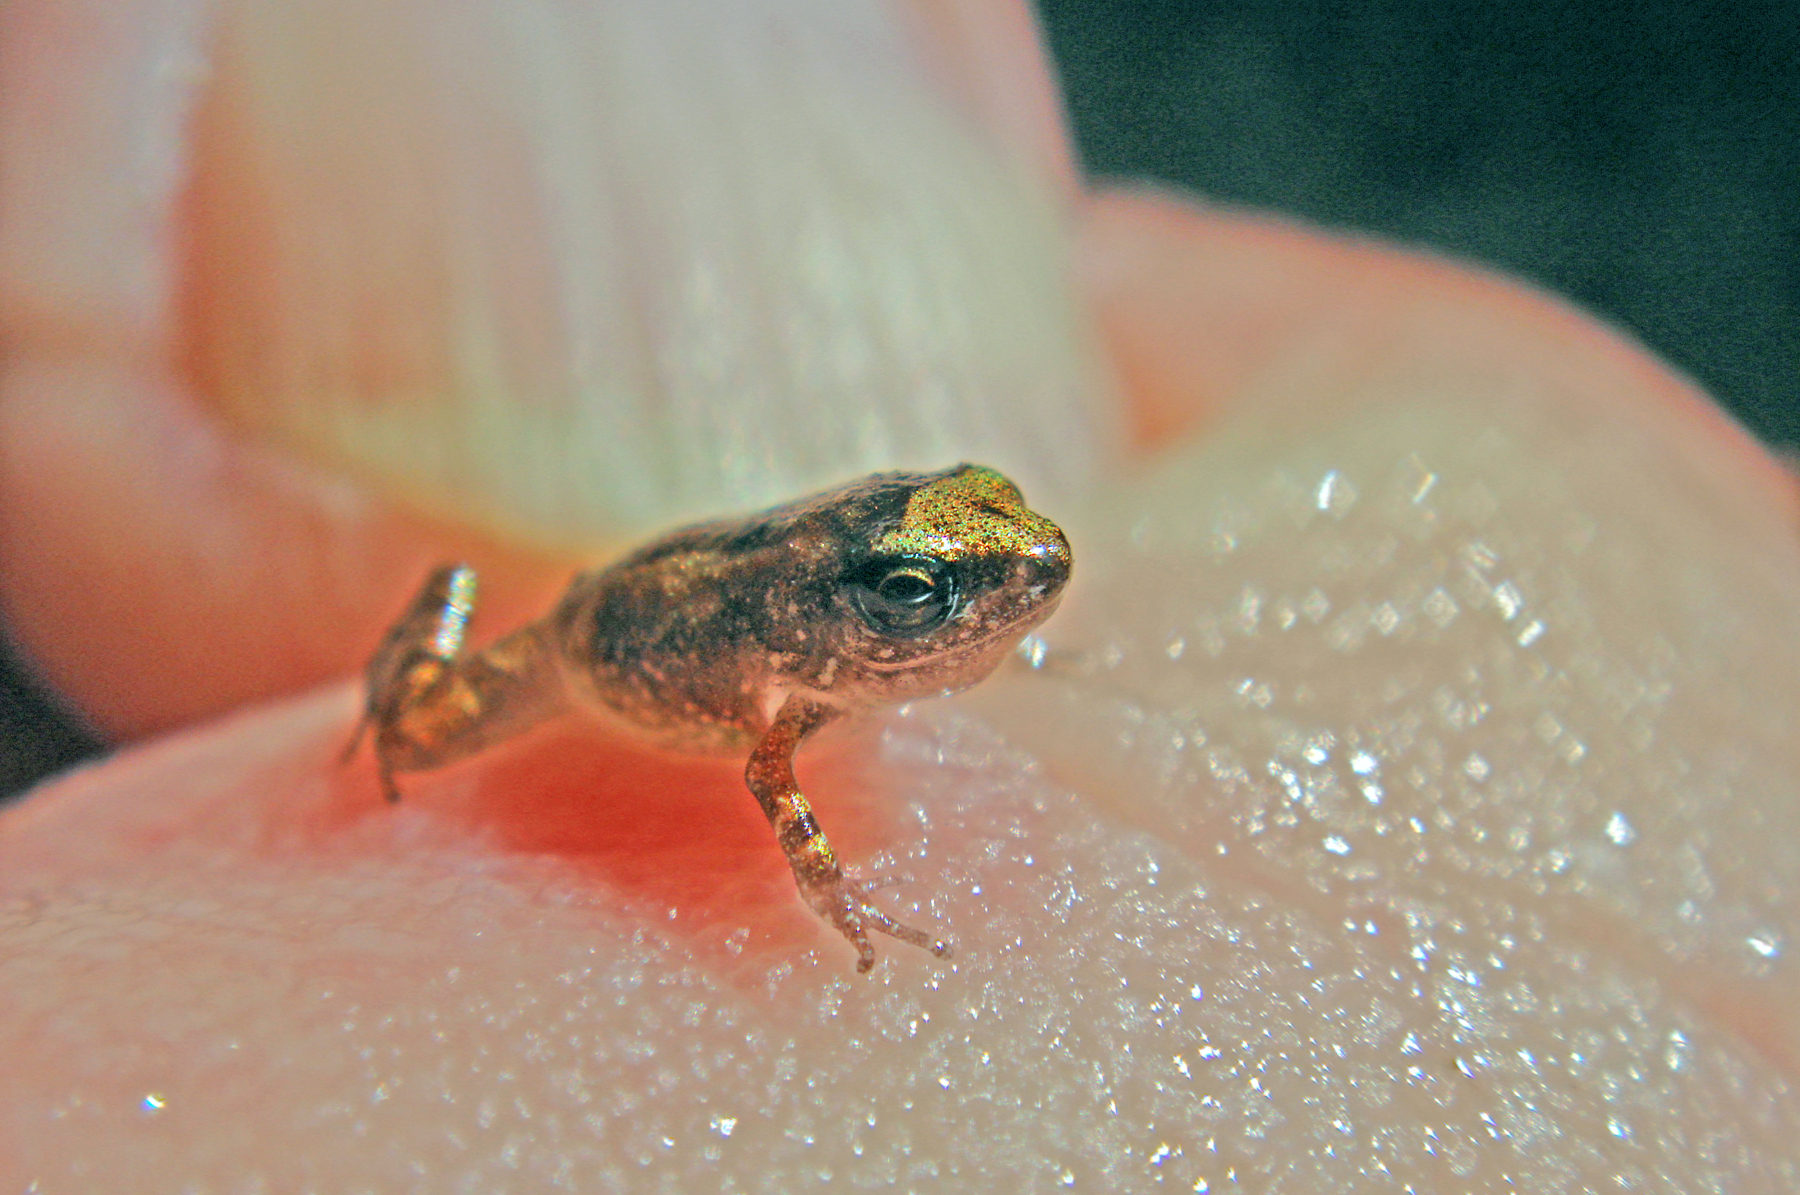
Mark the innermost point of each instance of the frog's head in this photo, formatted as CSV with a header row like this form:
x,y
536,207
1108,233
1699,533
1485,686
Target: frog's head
x,y
949,576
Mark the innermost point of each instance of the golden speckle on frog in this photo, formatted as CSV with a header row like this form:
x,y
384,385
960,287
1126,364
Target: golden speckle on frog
x,y
744,635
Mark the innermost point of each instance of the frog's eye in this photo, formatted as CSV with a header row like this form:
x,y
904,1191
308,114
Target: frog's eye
x,y
906,597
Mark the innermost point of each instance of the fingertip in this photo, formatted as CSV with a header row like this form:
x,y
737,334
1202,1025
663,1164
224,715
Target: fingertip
x,y
993,61
1209,315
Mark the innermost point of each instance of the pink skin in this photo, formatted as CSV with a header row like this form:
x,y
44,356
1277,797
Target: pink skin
x,y
221,956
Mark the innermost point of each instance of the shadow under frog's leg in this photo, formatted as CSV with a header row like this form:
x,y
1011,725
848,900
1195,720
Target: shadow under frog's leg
x,y
429,704
833,895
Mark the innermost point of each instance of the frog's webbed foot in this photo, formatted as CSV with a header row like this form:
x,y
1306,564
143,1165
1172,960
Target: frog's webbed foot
x,y
840,899
407,675
430,703
844,902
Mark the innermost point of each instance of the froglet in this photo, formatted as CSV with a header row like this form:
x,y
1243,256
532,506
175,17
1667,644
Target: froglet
x,y
744,636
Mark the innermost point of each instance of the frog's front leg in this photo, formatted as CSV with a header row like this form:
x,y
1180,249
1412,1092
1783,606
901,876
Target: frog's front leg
x,y
429,704
833,895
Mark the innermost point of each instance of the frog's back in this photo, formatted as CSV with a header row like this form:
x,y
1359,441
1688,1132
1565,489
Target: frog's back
x,y
694,638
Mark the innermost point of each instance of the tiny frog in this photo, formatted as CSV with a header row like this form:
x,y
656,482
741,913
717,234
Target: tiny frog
x,y
744,636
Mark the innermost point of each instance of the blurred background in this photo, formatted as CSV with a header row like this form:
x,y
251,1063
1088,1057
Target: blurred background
x,y
1642,159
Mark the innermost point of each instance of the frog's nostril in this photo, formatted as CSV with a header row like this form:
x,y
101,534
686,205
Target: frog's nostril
x,y
1045,565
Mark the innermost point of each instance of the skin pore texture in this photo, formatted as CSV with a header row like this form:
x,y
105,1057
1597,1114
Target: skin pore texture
x,y
1402,797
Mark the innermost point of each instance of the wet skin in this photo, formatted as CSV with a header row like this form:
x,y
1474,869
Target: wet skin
x,y
744,635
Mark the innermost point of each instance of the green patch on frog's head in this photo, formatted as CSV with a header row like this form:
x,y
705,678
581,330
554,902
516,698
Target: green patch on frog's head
x,y
972,511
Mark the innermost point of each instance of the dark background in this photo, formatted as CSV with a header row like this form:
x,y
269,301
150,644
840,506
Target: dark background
x,y
1643,159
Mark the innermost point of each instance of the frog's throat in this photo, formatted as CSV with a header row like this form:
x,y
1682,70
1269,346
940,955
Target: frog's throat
x,y
972,511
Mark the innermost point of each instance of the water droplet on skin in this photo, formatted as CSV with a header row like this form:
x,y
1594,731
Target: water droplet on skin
x,y
1335,495
1249,611
1440,608
1675,1055
1507,600
1385,619
1034,650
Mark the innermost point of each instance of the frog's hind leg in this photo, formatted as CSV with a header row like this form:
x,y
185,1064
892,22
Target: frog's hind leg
x,y
839,899
430,704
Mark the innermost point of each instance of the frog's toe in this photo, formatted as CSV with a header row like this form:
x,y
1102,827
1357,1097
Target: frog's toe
x,y
864,883
897,930
907,933
836,902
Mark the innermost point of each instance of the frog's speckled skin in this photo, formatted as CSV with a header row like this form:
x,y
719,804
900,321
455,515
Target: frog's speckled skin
x,y
744,635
